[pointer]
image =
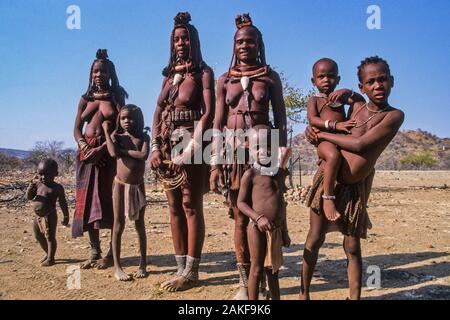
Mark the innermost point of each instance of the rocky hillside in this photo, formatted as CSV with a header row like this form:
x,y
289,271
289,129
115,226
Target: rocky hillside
x,y
411,149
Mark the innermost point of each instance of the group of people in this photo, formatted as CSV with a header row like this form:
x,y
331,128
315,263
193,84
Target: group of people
x,y
114,146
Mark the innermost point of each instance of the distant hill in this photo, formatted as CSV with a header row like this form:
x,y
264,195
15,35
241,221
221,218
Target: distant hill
x,y
405,143
20,154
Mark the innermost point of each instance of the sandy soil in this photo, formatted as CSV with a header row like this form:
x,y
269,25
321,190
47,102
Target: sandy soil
x,y
410,243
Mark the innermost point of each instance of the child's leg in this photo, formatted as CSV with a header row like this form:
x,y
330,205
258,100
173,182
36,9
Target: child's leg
x,y
328,152
119,225
257,244
40,237
51,240
314,240
352,248
140,229
285,230
274,285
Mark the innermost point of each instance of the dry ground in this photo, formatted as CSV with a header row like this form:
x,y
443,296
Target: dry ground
x,y
410,243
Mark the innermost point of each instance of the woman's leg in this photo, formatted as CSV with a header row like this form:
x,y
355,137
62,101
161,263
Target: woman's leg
x,y
193,209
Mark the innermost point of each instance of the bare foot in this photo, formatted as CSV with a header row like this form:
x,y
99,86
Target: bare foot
x,y
48,263
178,284
141,273
122,275
242,294
304,296
103,263
90,262
330,210
43,259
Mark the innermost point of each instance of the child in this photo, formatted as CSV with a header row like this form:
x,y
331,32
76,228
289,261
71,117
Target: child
x,y
129,144
44,193
376,125
325,111
261,199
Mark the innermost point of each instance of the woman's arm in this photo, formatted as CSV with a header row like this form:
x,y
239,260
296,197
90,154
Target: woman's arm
x,y
78,127
383,131
279,109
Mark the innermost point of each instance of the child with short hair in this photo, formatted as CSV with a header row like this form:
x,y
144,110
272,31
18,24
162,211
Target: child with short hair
x,y
325,111
129,144
44,193
261,199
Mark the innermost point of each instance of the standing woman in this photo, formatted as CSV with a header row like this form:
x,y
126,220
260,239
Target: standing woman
x,y
187,97
244,95
95,169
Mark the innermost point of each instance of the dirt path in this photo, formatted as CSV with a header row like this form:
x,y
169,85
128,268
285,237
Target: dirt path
x,y
410,243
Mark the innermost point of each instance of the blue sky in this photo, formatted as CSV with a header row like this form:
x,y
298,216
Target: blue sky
x,y
45,66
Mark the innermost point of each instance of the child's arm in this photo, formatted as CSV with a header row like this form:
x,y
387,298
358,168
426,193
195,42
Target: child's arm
x,y
346,96
111,142
31,191
313,115
139,155
63,205
245,193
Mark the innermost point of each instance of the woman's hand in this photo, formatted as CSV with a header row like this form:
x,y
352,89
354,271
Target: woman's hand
x,y
156,159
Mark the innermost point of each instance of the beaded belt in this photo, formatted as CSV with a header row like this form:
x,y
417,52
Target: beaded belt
x,y
180,116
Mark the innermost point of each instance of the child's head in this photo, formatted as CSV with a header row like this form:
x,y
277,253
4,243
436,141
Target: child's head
x,y
130,120
48,170
260,145
325,75
375,79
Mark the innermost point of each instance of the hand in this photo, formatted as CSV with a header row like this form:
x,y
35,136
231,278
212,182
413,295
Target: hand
x,y
346,126
264,224
156,159
107,126
95,156
311,135
216,180
65,221
341,96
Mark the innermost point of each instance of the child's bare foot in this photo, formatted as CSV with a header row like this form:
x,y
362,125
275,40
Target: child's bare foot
x,y
122,275
103,263
330,210
141,273
48,263
178,284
